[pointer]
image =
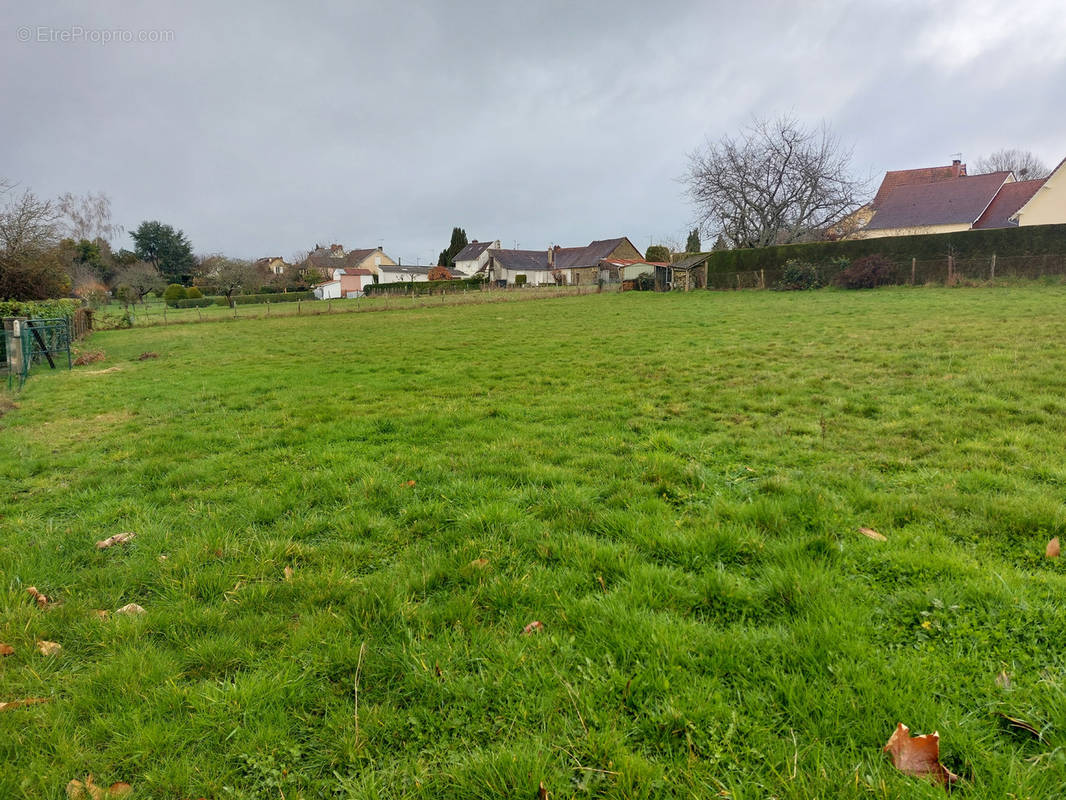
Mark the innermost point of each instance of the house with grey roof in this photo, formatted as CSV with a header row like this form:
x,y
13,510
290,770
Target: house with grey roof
x,y
332,261
473,258
575,266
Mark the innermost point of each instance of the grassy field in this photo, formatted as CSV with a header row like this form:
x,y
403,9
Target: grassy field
x,y
671,484
155,312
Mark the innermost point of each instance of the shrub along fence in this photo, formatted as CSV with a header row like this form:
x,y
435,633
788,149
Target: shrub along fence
x,y
424,287
1031,252
246,299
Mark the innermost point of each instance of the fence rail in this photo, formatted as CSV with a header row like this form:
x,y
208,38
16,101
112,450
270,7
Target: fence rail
x,y
947,271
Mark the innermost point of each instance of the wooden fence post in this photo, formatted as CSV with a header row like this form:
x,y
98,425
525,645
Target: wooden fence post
x,y
993,275
914,264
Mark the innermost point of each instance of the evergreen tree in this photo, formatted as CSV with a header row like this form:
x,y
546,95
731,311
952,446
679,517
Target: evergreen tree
x,y
447,257
693,243
166,249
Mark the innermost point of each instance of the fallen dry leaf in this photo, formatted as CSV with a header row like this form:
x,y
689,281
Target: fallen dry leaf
x,y
1003,680
288,573
42,600
872,534
533,627
48,648
918,755
542,792
131,609
147,355
603,585
118,538
479,563
409,484
77,790
101,613
6,650
1052,550
89,357
26,701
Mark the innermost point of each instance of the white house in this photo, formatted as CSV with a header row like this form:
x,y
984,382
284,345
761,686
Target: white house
x,y
473,258
349,283
398,273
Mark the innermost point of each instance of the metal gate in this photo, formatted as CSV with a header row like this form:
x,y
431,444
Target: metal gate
x,y
34,341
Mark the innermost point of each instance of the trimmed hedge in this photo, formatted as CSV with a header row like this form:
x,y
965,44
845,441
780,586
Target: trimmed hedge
x,y
1004,242
423,287
247,299
40,309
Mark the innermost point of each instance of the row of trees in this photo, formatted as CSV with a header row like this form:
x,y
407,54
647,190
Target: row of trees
x,y
780,182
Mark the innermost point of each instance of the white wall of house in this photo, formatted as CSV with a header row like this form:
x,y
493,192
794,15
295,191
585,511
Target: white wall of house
x,y
330,290
472,266
534,277
385,275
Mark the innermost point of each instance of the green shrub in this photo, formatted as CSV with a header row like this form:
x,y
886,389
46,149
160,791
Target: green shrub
x,y
868,272
799,276
424,287
196,302
173,293
192,293
40,309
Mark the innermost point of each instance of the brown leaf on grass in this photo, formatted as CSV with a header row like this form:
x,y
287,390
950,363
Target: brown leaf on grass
x,y
111,541
145,356
89,357
542,792
77,790
603,585
918,755
1021,725
101,613
872,534
42,600
46,648
6,649
409,484
534,627
26,701
288,572
1003,680
479,563
131,609
1052,550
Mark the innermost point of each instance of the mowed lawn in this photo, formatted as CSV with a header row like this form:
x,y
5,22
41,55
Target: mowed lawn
x,y
671,484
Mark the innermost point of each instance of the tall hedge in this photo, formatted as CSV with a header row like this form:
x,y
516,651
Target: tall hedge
x,y
423,287
1031,240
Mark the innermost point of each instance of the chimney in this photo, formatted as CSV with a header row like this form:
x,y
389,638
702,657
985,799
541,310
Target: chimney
x,y
380,248
551,257
958,169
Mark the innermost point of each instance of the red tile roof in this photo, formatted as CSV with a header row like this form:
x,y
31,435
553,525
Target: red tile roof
x,y
909,177
1011,197
960,201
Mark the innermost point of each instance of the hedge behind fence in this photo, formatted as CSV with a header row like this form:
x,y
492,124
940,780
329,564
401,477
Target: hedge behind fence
x,y
423,287
246,299
1032,240
40,309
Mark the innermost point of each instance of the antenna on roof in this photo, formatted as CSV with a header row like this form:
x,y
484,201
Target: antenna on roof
x,y
956,156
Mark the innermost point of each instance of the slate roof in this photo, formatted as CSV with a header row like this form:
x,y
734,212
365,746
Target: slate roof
x,y
949,202
472,251
329,257
521,259
692,261
590,256
1011,197
908,177
404,269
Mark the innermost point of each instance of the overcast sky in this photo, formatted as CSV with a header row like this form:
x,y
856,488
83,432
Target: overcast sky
x,y
264,128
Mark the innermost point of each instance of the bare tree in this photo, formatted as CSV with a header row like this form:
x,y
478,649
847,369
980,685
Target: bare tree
x,y
778,183
30,266
229,275
1022,163
137,280
87,217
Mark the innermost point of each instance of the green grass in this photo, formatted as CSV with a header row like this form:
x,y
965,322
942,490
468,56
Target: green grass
x,y
672,484
155,312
